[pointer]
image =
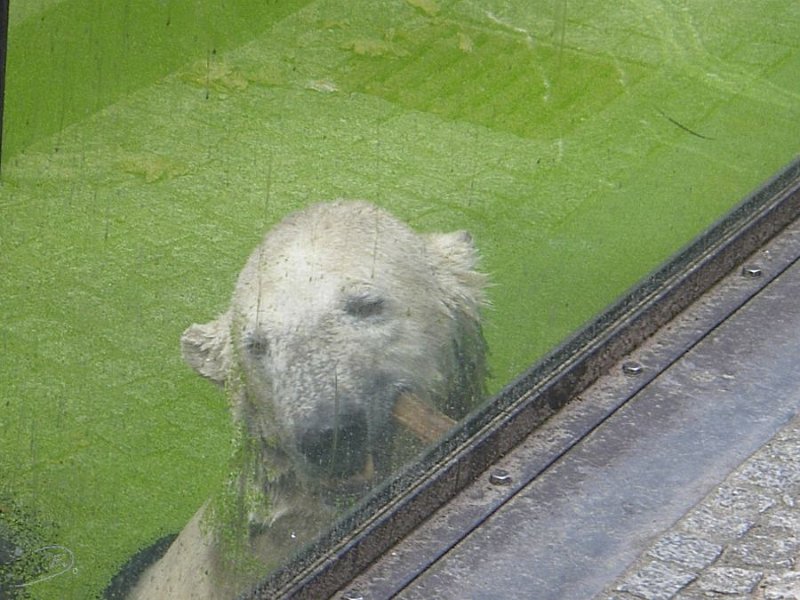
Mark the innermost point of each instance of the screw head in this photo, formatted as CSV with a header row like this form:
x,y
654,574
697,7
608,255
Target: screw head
x,y
752,271
500,477
632,368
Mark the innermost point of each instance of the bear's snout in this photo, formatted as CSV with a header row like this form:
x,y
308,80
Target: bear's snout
x,y
340,450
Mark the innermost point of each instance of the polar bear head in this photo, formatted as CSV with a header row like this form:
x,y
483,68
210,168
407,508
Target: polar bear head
x,y
336,313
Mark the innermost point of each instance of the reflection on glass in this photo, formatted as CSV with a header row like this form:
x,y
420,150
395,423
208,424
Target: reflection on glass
x,y
152,143
349,344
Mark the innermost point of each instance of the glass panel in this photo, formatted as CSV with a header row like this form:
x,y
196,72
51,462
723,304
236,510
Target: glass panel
x,y
147,148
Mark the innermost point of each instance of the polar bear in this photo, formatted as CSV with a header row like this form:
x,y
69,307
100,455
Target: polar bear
x,y
338,315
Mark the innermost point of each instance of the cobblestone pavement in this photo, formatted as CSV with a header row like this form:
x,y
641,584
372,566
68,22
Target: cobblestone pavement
x,y
741,541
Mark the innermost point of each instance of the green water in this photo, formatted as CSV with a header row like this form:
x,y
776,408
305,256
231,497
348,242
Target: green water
x,y
150,145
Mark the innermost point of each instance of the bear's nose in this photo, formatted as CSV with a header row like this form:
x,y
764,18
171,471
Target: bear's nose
x,y
340,450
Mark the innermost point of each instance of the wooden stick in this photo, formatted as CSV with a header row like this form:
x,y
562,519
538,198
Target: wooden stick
x,y
426,422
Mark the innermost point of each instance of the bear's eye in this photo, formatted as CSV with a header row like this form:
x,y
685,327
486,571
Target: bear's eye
x,y
364,306
256,343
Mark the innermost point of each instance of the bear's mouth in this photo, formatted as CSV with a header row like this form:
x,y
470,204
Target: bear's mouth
x,y
343,460
355,483
339,451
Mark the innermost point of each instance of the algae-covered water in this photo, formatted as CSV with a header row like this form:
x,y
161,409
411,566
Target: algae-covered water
x,y
148,145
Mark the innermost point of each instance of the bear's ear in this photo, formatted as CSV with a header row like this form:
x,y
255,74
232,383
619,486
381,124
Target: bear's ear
x,y
207,348
456,263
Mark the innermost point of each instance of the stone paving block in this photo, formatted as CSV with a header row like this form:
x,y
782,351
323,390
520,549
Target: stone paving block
x,y
740,499
707,521
782,449
729,580
691,552
656,581
763,551
784,586
727,514
770,473
786,519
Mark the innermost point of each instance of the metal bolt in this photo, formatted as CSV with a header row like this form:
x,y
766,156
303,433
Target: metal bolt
x,y
500,477
352,595
632,368
752,271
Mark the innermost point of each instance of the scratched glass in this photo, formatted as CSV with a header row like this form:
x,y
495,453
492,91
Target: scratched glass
x,y
191,381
